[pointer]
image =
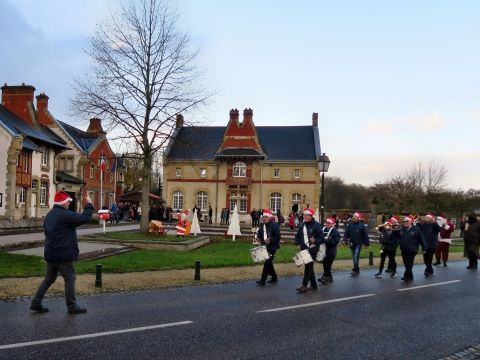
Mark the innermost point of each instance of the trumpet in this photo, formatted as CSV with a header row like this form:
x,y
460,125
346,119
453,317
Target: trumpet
x,y
384,226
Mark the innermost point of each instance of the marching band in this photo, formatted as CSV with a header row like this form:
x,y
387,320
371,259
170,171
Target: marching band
x,y
317,243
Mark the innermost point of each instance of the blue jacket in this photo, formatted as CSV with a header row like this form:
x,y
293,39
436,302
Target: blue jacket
x,y
273,232
356,233
410,239
430,232
333,238
61,234
314,230
389,239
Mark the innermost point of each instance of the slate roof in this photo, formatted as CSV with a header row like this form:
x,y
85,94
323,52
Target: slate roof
x,y
278,143
83,139
34,136
239,152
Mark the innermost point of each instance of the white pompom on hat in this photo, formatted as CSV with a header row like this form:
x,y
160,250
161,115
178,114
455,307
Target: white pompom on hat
x,y
308,211
267,213
61,197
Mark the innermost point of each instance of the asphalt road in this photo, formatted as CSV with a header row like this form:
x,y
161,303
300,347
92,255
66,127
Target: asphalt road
x,y
353,318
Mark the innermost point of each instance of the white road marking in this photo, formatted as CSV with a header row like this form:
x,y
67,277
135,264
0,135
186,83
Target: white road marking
x,y
316,303
94,335
429,285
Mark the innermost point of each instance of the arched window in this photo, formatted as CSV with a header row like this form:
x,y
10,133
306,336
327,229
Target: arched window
x,y
275,201
177,200
239,169
202,200
296,198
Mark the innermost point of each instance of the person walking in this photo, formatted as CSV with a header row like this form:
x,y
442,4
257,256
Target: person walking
x,y
269,235
309,237
332,238
389,238
430,230
61,250
471,240
355,237
411,237
444,241
210,214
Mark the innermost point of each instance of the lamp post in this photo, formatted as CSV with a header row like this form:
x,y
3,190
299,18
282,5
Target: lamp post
x,y
323,163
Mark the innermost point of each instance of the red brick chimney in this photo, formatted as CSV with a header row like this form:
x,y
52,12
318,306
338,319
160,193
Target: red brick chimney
x,y
247,115
179,121
95,127
234,115
315,119
43,116
19,100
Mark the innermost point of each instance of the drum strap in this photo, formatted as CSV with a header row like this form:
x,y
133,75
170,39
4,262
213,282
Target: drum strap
x,y
264,232
305,235
328,233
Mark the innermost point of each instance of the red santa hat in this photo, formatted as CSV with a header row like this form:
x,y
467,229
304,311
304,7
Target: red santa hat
x,y
267,213
358,214
308,211
408,217
61,197
331,220
394,219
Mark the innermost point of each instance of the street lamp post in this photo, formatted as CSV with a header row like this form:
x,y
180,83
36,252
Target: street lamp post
x,y
323,163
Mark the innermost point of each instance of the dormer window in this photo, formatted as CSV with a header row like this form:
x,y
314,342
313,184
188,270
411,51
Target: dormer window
x,y
45,157
178,172
203,172
276,173
239,169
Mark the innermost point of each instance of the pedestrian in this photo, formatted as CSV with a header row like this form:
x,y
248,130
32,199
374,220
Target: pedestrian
x,y
227,216
332,238
269,235
430,230
471,240
389,238
444,240
309,237
355,237
253,215
411,237
291,221
210,214
61,250
462,226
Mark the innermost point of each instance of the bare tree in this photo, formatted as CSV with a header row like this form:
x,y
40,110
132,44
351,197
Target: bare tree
x,y
143,75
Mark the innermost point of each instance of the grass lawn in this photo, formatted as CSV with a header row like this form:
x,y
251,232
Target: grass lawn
x,y
217,254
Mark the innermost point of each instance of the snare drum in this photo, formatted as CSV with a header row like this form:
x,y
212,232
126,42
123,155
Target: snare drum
x,y
259,254
303,257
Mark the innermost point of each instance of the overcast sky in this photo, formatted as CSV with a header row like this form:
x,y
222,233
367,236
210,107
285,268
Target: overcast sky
x,y
394,82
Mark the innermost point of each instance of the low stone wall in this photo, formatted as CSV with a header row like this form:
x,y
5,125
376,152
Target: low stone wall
x,y
188,244
6,224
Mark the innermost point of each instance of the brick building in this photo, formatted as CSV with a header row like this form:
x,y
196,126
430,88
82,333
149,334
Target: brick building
x,y
251,166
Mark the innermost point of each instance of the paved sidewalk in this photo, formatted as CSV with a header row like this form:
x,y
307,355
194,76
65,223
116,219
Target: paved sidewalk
x,y
39,236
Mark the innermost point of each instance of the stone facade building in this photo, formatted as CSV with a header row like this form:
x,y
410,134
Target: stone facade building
x,y
251,166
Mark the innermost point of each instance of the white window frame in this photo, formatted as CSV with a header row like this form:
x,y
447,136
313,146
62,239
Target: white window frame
x,y
296,173
276,173
45,157
177,200
295,200
43,192
275,201
203,172
22,196
178,172
202,200
239,169
92,171
242,205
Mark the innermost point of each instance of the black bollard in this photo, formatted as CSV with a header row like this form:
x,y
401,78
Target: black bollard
x,y
197,270
370,258
98,275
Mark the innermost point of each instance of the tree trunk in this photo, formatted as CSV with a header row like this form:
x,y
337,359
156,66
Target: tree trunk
x,y
145,203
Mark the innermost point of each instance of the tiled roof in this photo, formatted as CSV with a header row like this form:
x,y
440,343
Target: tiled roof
x,y
84,140
39,135
281,143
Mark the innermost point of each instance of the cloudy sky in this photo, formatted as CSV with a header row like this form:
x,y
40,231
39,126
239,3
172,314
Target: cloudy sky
x,y
394,82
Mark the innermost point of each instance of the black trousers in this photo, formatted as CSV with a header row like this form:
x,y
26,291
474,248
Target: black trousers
x,y
392,264
428,260
408,260
472,259
309,276
330,255
67,271
268,269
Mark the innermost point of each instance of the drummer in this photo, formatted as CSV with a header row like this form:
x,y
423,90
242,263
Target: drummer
x,y
269,234
309,237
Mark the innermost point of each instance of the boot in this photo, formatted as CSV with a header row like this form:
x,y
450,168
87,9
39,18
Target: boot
x,y
378,275
38,308
77,310
260,282
302,289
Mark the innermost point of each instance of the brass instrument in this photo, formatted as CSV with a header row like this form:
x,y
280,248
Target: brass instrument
x,y
384,226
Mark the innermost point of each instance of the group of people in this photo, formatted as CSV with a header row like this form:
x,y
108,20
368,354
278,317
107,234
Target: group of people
x,y
432,235
124,211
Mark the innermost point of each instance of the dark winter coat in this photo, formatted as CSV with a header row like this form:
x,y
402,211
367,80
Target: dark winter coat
x,y
471,239
430,232
356,233
389,239
273,233
314,230
333,238
411,239
60,233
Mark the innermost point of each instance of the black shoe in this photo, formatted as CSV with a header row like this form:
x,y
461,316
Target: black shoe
x,y
39,309
272,281
322,280
388,270
77,310
260,282
445,264
436,263
378,275
393,274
